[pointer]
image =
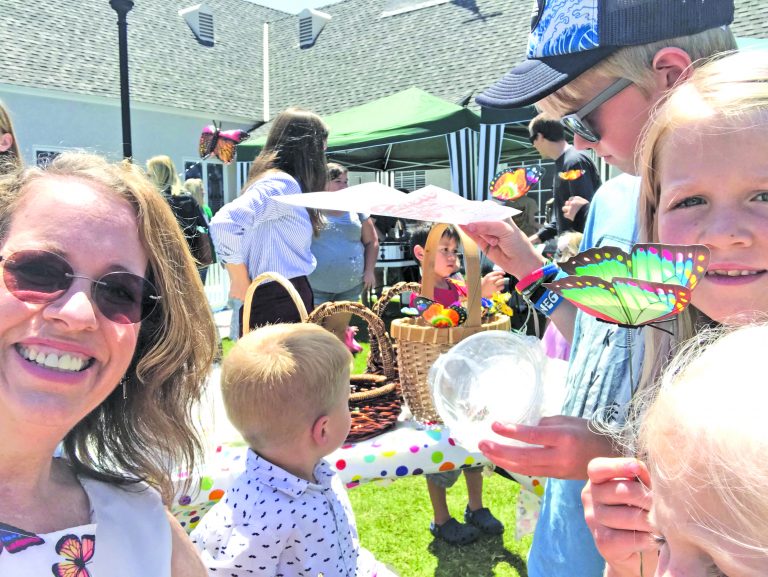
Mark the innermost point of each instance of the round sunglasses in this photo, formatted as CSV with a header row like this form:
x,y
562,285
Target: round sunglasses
x,y
39,276
577,122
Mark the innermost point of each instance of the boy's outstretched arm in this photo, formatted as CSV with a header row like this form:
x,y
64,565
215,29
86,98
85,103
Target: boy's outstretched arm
x,y
508,247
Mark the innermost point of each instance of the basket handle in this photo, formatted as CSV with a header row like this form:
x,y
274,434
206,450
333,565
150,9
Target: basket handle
x,y
376,329
471,263
391,293
280,279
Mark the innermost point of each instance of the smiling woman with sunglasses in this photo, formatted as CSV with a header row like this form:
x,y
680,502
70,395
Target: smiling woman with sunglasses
x,y
105,343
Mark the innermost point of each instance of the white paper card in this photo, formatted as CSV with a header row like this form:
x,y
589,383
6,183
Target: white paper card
x,y
431,203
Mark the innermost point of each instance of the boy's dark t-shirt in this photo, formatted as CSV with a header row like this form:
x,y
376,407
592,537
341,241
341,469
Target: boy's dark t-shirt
x,y
576,175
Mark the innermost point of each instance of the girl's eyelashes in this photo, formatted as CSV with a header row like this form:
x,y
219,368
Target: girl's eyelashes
x,y
762,197
658,539
688,202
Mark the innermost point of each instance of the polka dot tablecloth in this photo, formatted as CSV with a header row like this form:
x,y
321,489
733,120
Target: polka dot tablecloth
x,y
410,449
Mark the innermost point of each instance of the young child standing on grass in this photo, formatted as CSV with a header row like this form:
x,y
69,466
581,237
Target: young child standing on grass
x,y
450,288
286,390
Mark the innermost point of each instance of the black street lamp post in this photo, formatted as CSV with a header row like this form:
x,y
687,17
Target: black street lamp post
x,y
122,7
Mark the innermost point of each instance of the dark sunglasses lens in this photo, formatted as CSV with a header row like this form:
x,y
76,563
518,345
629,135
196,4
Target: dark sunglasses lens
x,y
36,276
532,138
125,298
580,127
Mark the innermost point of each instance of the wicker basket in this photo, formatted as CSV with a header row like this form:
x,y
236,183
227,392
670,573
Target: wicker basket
x,y
419,343
375,362
375,399
280,279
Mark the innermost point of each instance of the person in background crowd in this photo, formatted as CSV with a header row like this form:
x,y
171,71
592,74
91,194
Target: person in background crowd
x,y
346,250
10,156
255,233
576,179
162,173
194,187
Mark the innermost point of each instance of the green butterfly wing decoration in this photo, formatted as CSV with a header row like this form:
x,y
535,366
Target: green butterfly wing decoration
x,y
652,283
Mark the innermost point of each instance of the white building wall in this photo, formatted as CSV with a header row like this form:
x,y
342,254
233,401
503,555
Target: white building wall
x,y
45,120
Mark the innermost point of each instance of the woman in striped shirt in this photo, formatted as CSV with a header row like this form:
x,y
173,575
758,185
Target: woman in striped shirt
x,y
255,233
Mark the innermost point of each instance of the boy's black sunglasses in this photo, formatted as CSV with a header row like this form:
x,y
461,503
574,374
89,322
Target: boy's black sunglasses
x,y
39,276
577,121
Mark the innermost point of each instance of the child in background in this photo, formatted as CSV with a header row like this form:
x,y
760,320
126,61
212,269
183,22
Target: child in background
x,y
194,187
704,182
555,344
449,288
286,390
704,445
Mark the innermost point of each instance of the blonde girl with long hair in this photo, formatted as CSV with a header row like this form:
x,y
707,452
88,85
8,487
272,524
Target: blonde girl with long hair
x,y
704,182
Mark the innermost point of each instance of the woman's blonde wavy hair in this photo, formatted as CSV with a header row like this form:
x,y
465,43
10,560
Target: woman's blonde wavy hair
x,y
149,433
634,63
162,172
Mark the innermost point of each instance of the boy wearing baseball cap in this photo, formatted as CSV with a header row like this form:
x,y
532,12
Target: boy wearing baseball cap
x,y
601,66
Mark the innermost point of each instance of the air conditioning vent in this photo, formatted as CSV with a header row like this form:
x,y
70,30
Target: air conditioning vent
x,y
200,20
311,23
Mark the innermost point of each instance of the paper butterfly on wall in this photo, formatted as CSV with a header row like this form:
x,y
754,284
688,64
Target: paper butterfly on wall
x,y
221,143
513,183
653,283
13,539
436,314
77,554
574,174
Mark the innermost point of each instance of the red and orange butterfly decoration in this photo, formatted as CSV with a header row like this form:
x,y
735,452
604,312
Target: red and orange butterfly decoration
x,y
514,183
223,143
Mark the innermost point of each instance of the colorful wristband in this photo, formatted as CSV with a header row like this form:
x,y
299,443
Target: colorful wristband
x,y
544,300
536,277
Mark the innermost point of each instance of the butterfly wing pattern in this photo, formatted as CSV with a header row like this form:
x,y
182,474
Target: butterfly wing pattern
x,y
208,139
13,539
220,143
77,553
651,284
574,174
513,183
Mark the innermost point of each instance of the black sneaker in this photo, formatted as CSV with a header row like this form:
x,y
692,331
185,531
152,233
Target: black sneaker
x,y
484,520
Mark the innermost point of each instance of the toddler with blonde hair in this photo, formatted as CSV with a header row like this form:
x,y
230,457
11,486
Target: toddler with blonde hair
x,y
286,390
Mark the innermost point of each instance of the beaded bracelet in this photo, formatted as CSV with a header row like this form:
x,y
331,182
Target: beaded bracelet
x,y
532,290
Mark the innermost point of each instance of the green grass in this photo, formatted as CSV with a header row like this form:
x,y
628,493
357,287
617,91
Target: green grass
x,y
393,522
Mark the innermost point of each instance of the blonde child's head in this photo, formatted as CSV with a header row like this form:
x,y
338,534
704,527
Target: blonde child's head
x,y
277,381
702,176
705,440
194,187
727,94
568,245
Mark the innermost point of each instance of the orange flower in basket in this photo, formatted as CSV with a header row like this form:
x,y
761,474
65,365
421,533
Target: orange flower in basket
x,y
444,317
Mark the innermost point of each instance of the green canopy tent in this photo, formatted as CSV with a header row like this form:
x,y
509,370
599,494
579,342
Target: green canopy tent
x,y
409,130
